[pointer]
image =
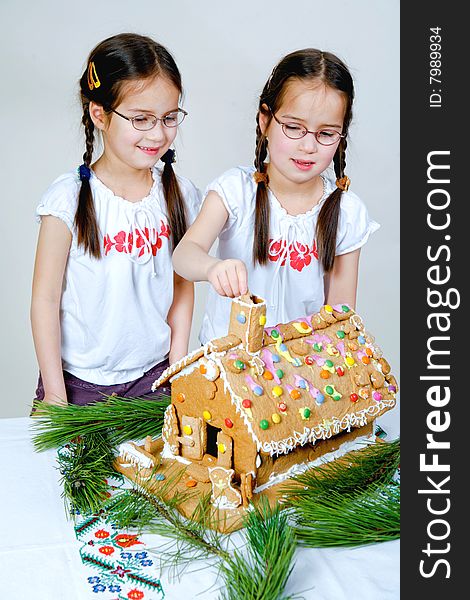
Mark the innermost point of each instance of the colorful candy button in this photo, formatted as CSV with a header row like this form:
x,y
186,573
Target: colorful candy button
x,y
275,334
354,397
377,396
275,418
365,360
276,358
228,423
246,403
294,394
277,391
202,369
262,320
309,360
160,477
221,448
340,371
328,309
191,483
324,374
268,375
345,308
305,413
180,397
239,364
349,360
264,424
329,363
258,390
187,429
207,415
280,373
241,318
282,406
317,346
340,334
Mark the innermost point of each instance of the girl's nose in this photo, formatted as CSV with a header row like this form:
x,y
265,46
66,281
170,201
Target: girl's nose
x,y
309,143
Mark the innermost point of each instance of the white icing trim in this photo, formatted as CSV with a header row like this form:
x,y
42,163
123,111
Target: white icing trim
x,y
300,468
175,367
136,458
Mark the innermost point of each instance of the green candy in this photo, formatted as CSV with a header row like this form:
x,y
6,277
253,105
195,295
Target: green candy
x,y
274,333
340,334
329,390
329,363
264,424
345,308
239,364
307,413
280,373
317,347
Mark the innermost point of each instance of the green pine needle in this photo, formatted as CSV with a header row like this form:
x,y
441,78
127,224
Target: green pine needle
x,y
349,520
85,465
263,573
126,418
376,463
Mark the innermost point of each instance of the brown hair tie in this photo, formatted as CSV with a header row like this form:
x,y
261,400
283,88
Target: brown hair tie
x,y
261,177
343,183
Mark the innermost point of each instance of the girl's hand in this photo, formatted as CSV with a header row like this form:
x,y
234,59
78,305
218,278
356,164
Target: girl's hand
x,y
229,277
54,400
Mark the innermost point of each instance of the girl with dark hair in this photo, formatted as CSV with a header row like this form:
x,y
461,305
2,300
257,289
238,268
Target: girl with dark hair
x,y
284,227
108,312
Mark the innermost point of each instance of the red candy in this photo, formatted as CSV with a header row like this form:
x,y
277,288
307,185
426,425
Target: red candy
x,y
228,423
282,406
354,397
309,360
246,403
340,371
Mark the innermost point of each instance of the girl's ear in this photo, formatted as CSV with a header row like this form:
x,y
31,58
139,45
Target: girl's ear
x,y
98,115
264,118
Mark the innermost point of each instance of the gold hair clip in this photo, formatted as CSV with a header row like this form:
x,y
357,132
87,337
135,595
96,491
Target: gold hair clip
x,y
93,79
261,177
343,183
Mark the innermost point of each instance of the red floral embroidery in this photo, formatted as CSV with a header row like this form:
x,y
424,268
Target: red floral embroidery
x,y
125,540
276,249
135,594
107,550
148,240
300,255
101,534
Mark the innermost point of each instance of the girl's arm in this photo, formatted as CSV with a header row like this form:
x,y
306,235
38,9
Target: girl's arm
x,y
51,258
191,257
179,317
341,282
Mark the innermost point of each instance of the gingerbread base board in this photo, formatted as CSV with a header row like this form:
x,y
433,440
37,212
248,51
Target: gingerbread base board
x,y
192,482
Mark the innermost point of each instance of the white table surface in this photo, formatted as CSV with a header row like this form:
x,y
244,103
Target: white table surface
x,y
40,560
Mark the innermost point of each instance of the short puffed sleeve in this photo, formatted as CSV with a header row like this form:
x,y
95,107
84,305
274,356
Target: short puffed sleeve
x,y
60,200
355,226
237,190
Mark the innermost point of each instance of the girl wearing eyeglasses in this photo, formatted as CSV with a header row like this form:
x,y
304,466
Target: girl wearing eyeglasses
x,y
285,228
107,311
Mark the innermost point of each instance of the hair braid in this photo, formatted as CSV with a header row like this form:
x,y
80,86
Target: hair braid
x,y
85,216
174,200
262,212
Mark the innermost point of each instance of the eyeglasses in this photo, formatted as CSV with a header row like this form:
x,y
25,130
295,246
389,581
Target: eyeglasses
x,y
295,131
148,121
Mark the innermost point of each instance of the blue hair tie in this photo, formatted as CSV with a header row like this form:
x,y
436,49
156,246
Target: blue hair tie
x,y
84,172
169,157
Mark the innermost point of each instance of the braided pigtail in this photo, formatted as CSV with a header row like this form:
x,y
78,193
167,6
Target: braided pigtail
x,y
328,218
262,211
173,198
85,216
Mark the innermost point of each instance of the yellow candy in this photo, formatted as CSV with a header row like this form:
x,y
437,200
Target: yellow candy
x,y
349,361
328,309
262,320
276,418
221,448
187,429
277,391
207,415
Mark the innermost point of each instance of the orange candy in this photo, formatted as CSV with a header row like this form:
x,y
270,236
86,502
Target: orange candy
x,y
180,397
324,374
202,369
365,360
268,375
369,352
191,483
295,394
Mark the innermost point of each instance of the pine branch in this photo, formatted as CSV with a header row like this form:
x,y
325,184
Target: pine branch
x,y
374,464
125,419
85,465
349,520
263,573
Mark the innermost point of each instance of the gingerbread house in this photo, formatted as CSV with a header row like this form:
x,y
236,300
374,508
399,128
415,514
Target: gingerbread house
x,y
255,407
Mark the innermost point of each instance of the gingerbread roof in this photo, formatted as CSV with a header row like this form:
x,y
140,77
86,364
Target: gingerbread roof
x,y
311,378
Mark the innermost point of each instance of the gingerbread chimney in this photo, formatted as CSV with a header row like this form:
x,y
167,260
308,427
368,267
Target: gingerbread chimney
x,y
247,321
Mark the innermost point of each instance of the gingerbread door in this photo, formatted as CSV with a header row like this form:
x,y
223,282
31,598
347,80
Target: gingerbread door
x,y
224,450
194,436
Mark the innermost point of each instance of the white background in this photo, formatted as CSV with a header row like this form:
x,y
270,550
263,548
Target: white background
x,y
225,52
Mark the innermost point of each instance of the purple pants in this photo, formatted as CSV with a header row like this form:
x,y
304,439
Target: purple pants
x,y
83,392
